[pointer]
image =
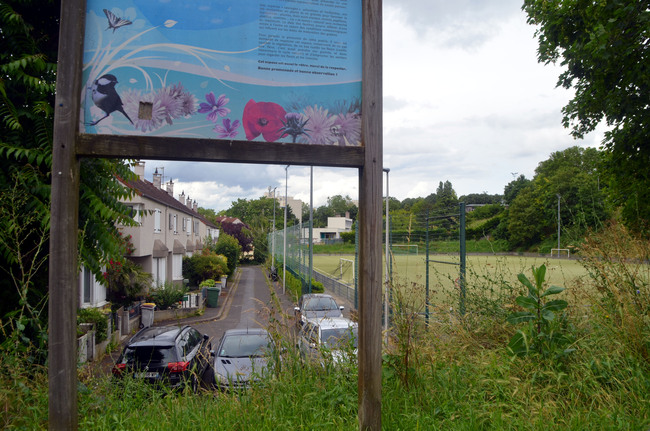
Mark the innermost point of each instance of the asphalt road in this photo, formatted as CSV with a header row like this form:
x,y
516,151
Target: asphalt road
x,y
245,306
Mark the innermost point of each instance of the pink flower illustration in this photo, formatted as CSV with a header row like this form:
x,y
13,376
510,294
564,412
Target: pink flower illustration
x,y
215,108
228,130
347,129
320,127
265,118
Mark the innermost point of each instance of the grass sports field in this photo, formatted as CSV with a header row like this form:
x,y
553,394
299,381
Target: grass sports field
x,y
487,272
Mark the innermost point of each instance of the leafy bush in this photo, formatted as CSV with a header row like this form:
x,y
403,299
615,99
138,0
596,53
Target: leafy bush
x,y
204,266
543,333
349,237
93,315
125,282
167,295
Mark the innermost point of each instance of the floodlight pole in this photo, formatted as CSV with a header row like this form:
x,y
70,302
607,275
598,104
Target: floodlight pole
x,y
286,204
558,225
273,233
386,278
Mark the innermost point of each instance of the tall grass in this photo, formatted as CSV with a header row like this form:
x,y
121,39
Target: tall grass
x,y
453,374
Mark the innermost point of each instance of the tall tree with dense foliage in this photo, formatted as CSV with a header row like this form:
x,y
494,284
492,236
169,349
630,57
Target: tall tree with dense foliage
x,y
28,55
603,47
573,175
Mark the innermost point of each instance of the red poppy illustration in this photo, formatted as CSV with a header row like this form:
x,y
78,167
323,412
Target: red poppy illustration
x,y
263,118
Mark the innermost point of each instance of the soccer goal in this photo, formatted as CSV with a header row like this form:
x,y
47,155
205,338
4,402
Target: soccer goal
x,y
404,249
346,269
561,250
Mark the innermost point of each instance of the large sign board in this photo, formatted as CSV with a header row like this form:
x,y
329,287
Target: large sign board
x,y
276,81
284,71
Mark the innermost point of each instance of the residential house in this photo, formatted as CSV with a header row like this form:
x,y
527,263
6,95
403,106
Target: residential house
x,y
168,229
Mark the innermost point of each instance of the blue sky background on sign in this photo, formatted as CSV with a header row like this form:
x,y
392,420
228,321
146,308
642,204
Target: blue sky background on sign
x,y
223,70
464,100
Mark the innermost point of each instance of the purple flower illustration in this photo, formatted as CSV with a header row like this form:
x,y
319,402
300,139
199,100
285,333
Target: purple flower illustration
x,y
347,129
215,108
172,105
294,126
320,127
228,130
187,100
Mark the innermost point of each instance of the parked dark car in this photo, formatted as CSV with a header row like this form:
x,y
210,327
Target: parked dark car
x,y
172,356
316,306
243,356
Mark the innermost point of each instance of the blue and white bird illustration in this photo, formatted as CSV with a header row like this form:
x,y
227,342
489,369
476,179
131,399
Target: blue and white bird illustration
x,y
105,97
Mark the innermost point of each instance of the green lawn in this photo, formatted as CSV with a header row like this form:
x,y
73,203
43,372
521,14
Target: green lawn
x,y
483,272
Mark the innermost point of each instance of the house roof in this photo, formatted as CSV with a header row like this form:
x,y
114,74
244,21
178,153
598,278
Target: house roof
x,y
230,220
146,189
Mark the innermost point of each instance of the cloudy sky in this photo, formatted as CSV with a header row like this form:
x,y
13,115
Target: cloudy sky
x,y
464,100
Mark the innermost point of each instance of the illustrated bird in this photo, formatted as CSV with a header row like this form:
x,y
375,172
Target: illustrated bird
x,y
105,97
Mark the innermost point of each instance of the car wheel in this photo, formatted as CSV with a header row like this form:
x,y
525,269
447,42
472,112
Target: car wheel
x,y
207,380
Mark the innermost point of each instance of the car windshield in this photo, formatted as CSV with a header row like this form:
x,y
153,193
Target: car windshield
x,y
337,338
246,345
149,355
320,304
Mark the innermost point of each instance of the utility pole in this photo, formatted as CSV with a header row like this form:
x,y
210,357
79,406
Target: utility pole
x,y
386,278
286,204
273,232
558,225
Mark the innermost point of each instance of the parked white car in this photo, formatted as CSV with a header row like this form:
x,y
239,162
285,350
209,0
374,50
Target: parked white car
x,y
328,339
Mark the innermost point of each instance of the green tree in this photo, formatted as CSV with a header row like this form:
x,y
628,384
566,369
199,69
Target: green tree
x,y
573,175
513,188
603,47
28,56
229,247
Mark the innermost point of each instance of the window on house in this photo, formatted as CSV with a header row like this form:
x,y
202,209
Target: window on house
x,y
87,280
177,266
184,224
159,271
156,220
171,221
175,224
134,212
189,226
196,227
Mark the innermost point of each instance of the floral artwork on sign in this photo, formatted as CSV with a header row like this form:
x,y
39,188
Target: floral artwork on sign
x,y
225,70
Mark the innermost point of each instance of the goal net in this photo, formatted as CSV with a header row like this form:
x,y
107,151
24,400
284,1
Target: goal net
x,y
560,251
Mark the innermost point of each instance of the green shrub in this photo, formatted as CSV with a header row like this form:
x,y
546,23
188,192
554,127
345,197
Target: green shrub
x,y
93,315
204,266
167,295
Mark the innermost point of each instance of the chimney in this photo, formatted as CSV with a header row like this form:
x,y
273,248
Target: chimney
x,y
195,206
347,214
157,179
189,202
181,198
138,169
170,188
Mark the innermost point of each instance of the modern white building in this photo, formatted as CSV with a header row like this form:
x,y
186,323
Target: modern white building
x,y
335,225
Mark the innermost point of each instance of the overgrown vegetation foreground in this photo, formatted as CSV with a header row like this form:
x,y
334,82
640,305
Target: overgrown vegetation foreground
x,y
535,361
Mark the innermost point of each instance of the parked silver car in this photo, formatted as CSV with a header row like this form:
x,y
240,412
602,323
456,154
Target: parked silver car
x,y
316,306
243,356
328,338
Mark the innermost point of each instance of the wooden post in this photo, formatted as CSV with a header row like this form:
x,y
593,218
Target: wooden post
x,y
370,199
64,213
